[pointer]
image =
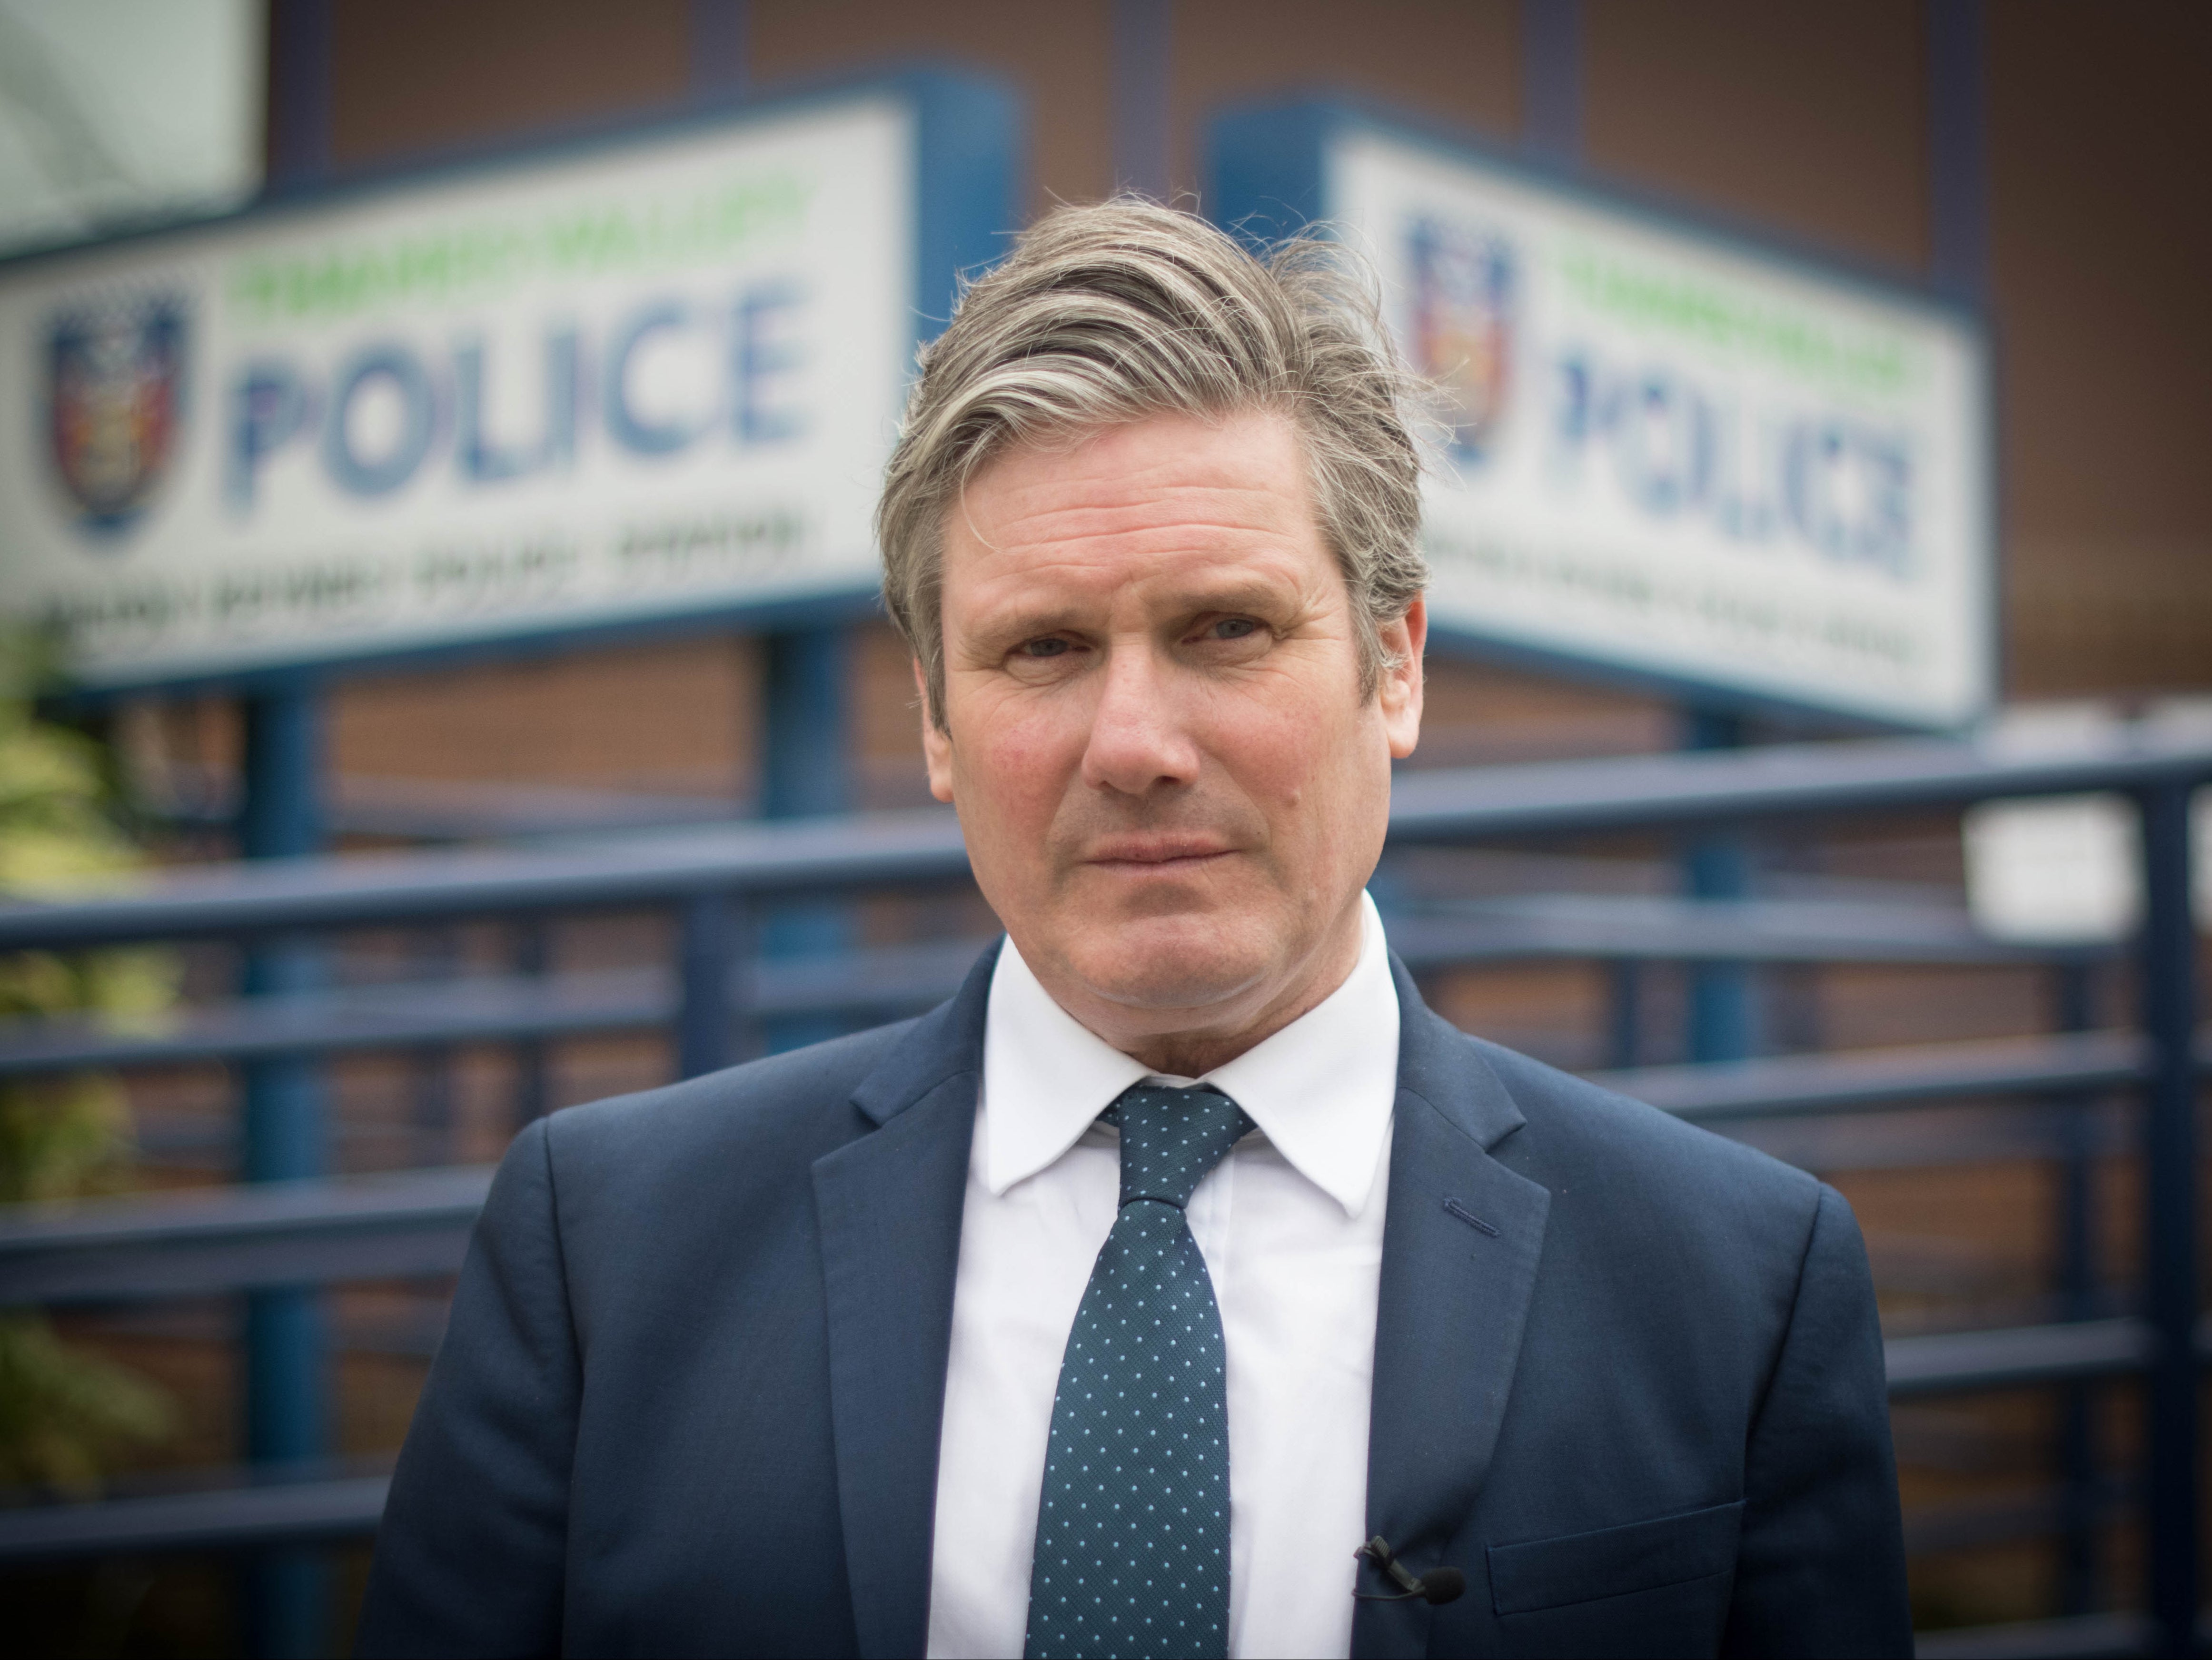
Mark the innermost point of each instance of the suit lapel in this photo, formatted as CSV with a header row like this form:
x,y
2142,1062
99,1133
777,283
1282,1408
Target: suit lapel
x,y
889,1207
1454,1297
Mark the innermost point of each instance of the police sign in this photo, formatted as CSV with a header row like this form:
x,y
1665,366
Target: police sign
x,y
655,377
1668,453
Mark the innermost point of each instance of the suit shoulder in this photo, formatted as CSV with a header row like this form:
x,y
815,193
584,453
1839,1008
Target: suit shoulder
x,y
802,1093
1576,1129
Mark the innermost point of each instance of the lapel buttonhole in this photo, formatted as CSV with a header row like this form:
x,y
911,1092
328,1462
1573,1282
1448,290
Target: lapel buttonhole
x,y
1470,1218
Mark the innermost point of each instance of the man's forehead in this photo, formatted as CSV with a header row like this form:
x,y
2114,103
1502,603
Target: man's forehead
x,y
1178,584
1155,471
1157,499
1050,512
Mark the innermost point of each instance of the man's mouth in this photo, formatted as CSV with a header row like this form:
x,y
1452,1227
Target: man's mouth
x,y
1162,853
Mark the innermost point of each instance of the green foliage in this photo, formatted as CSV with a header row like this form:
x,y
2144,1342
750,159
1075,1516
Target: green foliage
x,y
64,1414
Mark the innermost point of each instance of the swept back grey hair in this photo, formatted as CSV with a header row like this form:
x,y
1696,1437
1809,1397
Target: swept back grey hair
x,y
1105,314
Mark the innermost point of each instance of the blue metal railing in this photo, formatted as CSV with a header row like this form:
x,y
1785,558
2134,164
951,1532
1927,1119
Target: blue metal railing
x,y
715,880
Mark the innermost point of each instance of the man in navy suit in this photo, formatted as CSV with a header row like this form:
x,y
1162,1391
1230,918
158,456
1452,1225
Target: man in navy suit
x,y
1184,1286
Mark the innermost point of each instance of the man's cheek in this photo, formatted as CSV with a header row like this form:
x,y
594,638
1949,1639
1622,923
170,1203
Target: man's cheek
x,y
1026,759
1276,756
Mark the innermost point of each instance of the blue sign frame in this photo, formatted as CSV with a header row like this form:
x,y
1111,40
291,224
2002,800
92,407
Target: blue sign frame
x,y
1265,168
968,180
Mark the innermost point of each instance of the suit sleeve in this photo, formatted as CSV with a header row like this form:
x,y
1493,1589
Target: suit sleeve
x,y
1820,1567
470,1555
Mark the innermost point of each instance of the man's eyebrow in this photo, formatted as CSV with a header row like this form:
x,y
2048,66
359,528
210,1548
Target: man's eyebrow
x,y
1024,619
1029,616
1236,595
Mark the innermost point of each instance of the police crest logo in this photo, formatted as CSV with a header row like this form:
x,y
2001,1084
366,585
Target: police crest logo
x,y
115,389
1462,332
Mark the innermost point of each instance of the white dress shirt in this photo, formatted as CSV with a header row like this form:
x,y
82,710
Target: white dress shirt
x,y
1290,1227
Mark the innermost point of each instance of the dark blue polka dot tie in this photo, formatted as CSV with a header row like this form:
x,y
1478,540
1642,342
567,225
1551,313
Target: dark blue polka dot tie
x,y
1133,1532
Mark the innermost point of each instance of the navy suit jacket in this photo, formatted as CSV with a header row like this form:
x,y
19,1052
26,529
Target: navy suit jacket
x,y
1627,1374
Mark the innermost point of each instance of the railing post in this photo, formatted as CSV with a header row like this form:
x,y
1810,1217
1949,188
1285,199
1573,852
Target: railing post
x,y
2082,1289
718,43
287,1386
286,1592
806,746
437,958
531,1096
1623,1012
1552,80
706,957
1143,34
2169,995
1957,148
1717,866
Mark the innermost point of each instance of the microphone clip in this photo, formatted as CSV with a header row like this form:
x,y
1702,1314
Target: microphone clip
x,y
1438,1585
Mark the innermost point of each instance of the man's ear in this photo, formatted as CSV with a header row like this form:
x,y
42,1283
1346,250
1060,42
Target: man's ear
x,y
1399,692
936,745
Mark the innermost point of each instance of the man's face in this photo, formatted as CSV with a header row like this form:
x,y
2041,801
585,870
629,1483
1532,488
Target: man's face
x,y
1172,787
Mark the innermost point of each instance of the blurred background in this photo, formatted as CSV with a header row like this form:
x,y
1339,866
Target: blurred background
x,y
435,449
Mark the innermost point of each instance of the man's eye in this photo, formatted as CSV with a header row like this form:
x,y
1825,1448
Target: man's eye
x,y
1048,647
1234,628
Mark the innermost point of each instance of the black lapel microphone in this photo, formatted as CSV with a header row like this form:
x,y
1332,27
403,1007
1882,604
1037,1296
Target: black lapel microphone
x,y
1437,1585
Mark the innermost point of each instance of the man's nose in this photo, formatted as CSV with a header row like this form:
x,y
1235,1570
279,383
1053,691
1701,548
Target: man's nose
x,y
1138,740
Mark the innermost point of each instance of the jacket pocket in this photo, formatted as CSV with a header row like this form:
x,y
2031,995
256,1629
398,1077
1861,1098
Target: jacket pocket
x,y
1580,1568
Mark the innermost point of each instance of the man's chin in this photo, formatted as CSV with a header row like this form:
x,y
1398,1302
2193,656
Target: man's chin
x,y
1167,966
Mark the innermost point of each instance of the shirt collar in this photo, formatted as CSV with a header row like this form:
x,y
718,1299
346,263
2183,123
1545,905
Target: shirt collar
x,y
1320,1089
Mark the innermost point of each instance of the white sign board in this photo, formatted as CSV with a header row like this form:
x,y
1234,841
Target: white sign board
x,y
2067,870
635,381
1668,452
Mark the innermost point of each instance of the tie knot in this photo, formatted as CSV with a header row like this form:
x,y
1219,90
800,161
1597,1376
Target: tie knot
x,y
1171,1138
